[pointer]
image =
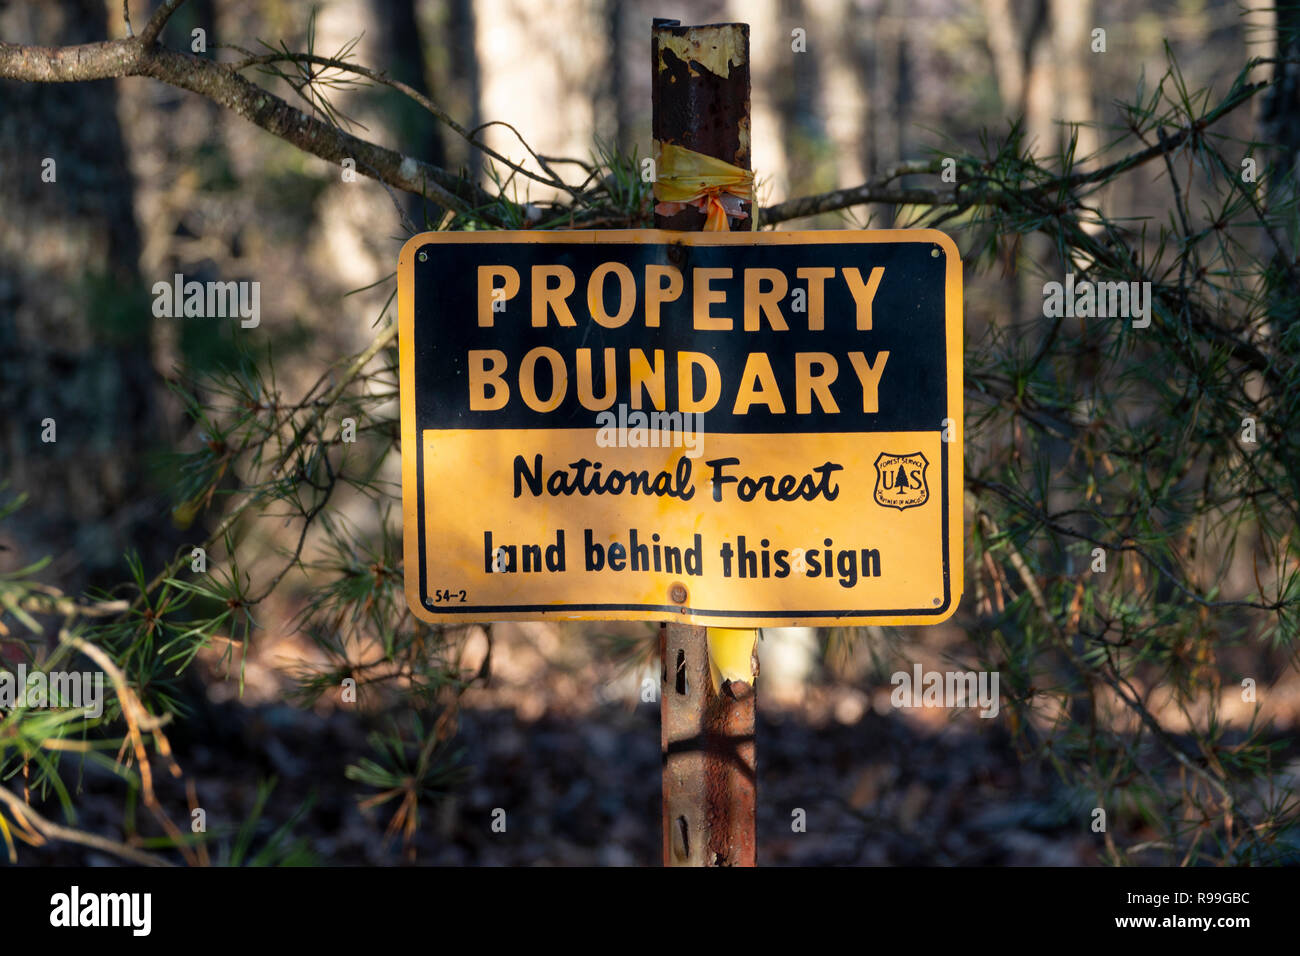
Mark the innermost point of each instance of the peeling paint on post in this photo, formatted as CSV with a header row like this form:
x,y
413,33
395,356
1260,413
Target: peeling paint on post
x,y
700,100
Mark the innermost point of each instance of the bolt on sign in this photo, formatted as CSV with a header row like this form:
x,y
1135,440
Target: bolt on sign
x,y
733,429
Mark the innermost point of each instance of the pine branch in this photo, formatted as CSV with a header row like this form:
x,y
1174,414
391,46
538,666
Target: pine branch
x,y
964,195
219,83
44,829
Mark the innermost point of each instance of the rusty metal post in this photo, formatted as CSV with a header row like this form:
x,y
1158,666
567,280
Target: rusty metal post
x,y
700,100
707,741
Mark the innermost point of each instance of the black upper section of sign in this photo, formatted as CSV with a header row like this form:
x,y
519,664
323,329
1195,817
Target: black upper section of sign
x,y
908,322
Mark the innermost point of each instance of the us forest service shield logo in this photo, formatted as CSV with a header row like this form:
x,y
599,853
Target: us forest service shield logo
x,y
900,480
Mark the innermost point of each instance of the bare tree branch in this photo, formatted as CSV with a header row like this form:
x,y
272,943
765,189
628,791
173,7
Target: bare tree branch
x,y
856,196
48,830
876,189
159,20
222,85
555,182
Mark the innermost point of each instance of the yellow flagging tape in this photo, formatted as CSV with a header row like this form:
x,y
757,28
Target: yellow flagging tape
x,y
684,178
731,652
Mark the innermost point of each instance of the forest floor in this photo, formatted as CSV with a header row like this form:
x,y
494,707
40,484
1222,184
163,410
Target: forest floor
x,y
565,747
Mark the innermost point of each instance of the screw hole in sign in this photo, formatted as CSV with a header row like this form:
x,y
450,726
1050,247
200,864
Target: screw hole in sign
x,y
934,253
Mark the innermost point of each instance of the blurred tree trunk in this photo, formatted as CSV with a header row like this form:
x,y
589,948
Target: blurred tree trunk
x,y
841,96
420,134
1019,72
612,107
1280,166
75,319
795,96
1280,118
889,93
1008,53
1282,115
466,74
1074,69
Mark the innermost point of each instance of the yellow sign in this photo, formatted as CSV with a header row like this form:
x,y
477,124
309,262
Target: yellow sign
x,y
731,429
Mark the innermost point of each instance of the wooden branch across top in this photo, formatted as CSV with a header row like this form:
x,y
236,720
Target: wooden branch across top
x,y
222,85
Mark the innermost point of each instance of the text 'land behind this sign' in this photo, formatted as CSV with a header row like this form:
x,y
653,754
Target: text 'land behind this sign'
x,y
733,429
